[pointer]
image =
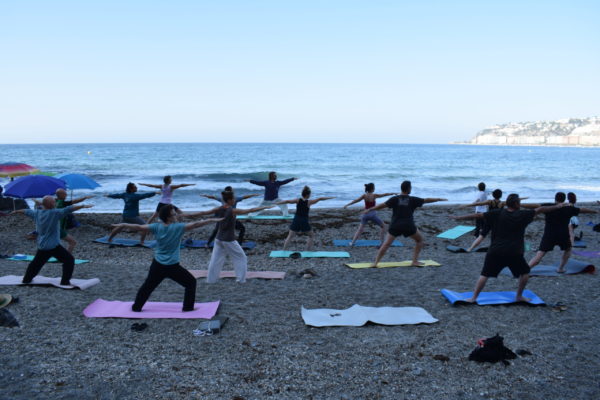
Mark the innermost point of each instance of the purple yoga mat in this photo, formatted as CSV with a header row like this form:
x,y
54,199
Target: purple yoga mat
x,y
589,254
122,309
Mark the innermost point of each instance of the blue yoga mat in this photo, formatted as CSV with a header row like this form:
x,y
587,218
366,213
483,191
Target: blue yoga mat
x,y
199,244
456,232
125,242
580,244
573,267
363,243
310,254
490,298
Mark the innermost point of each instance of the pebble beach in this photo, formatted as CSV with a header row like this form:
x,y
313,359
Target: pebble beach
x,y
266,351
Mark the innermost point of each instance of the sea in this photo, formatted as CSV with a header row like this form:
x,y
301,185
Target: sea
x,y
340,170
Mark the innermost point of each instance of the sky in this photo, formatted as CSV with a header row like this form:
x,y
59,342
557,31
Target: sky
x,y
291,71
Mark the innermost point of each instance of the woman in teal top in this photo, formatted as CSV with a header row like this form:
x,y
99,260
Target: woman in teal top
x,y
166,256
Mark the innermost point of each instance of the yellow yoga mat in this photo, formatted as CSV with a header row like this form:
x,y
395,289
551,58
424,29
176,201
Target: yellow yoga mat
x,y
390,264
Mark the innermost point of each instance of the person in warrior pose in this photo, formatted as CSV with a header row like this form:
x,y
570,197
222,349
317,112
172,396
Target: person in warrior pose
x,y
238,224
47,226
62,202
556,231
370,200
131,211
508,226
272,186
403,207
165,263
300,223
166,191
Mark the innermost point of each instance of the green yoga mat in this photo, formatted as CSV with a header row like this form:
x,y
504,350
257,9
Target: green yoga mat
x,y
29,258
265,217
311,254
456,232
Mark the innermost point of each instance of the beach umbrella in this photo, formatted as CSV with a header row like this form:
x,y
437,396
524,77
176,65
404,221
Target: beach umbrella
x,y
12,169
78,181
32,186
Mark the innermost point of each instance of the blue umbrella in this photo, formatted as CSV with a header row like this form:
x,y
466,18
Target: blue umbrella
x,y
78,181
32,186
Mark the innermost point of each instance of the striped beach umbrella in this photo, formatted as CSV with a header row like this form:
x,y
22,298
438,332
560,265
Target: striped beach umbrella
x,y
12,169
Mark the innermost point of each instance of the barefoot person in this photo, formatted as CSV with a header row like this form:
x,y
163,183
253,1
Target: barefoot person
x,y
272,186
165,264
238,224
300,223
574,222
47,225
508,242
166,191
225,243
556,231
131,211
371,216
403,207
62,202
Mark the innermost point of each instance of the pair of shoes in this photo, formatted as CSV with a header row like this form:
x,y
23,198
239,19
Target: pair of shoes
x,y
137,327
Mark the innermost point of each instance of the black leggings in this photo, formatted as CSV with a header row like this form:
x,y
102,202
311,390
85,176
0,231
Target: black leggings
x,y
157,273
238,226
42,257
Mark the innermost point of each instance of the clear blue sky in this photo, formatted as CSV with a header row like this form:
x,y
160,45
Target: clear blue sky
x,y
291,71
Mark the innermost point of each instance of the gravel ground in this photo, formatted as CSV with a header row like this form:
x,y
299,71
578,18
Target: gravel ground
x,y
266,351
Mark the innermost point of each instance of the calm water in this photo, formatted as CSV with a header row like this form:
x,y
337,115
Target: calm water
x,y
450,171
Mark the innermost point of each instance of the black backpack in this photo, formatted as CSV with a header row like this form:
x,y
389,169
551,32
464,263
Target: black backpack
x,y
492,350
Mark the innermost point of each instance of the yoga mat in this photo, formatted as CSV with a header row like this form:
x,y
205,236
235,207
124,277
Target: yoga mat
x,y
364,243
119,241
14,280
490,298
358,315
202,273
580,244
391,264
456,249
200,244
572,267
311,254
122,309
456,232
27,257
265,217
589,254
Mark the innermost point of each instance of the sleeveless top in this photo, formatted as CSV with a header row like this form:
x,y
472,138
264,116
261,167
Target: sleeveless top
x,y
495,205
167,194
369,204
302,208
226,231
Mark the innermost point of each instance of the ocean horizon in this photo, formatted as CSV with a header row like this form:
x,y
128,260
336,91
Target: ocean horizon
x,y
450,171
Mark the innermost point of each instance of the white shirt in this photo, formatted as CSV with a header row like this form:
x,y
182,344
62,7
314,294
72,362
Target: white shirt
x,y
482,196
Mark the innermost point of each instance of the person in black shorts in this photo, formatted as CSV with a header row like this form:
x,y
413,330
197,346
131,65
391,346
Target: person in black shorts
x,y
403,206
300,223
556,231
508,242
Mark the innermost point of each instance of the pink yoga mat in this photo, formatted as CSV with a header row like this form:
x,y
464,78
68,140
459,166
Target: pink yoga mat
x,y
202,273
122,309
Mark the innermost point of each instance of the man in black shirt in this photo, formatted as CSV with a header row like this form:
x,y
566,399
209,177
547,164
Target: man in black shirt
x,y
508,242
403,223
556,231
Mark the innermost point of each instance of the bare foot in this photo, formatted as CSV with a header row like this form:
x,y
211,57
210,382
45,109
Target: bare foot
x,y
561,270
523,299
417,264
471,301
374,265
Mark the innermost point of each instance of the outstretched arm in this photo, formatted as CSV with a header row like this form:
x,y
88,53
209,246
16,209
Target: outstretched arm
x,y
79,200
355,201
376,208
311,202
546,209
210,196
259,183
198,224
531,205
584,210
476,203
249,196
383,195
468,216
286,181
238,211
200,213
293,201
173,187
79,207
151,185
433,200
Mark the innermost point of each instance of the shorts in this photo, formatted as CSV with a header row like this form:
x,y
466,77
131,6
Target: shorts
x,y
404,230
134,220
494,263
548,242
300,224
161,205
481,228
371,216
574,221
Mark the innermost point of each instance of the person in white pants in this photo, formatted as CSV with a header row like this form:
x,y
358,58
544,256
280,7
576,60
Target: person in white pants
x,y
226,243
272,186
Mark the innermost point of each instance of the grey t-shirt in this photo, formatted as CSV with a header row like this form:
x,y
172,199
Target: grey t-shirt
x,y
226,231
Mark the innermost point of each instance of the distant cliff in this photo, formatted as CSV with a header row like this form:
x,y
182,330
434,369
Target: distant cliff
x,y
564,132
